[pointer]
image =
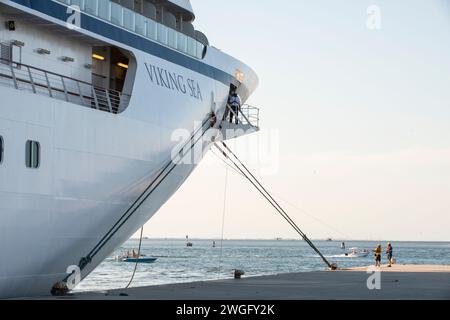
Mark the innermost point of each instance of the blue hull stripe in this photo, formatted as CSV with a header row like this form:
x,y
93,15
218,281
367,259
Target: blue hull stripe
x,y
97,26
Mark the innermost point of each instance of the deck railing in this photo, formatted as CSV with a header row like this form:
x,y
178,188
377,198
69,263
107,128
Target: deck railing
x,y
146,27
247,115
43,82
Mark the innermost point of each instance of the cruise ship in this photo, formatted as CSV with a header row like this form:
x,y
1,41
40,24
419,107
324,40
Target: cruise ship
x,y
106,108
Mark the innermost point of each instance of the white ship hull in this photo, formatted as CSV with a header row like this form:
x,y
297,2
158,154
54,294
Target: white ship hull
x,y
93,166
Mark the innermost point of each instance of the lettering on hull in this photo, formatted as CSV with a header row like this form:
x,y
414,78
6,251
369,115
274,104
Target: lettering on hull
x,y
173,81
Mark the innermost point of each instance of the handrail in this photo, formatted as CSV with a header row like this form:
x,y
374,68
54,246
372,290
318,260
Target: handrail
x,y
63,87
251,114
246,114
53,73
198,47
42,86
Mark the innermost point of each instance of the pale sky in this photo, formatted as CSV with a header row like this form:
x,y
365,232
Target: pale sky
x,y
355,123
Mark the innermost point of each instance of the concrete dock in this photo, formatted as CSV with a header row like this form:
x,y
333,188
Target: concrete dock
x,y
398,282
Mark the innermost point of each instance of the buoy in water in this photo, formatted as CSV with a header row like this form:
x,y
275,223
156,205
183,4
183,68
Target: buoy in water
x,y
188,243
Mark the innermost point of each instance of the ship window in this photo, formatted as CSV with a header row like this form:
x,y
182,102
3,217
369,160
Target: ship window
x,y
151,29
191,47
138,6
116,14
1,149
172,38
140,22
78,3
128,19
162,33
200,50
32,154
182,42
103,9
91,7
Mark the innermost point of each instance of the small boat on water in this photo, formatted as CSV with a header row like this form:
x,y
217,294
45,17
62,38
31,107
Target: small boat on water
x,y
134,257
357,253
140,260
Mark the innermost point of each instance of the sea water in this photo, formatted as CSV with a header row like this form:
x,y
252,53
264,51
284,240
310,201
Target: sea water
x,y
178,263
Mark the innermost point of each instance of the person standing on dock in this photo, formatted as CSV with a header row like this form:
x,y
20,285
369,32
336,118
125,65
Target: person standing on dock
x,y
378,256
389,252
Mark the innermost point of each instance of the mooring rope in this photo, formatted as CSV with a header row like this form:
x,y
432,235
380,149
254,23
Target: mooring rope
x,y
137,261
269,198
223,220
143,196
298,209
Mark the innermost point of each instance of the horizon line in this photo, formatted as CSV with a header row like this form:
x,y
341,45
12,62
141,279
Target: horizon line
x,y
282,239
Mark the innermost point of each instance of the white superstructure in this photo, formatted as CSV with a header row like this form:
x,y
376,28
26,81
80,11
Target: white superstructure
x,y
89,103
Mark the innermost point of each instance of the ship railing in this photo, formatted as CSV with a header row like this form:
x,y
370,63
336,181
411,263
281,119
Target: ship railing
x,y
247,115
250,114
43,82
132,21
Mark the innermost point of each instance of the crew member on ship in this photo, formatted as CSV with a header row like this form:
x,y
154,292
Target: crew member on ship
x,y
235,104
